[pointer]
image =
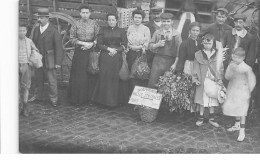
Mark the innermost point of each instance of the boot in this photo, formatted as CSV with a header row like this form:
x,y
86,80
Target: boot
x,y
25,110
242,135
236,127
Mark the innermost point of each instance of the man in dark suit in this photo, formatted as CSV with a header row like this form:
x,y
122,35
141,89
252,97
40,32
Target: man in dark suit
x,y
49,42
219,28
154,24
240,37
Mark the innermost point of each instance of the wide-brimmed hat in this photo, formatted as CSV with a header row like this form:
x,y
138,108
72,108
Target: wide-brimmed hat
x,y
44,12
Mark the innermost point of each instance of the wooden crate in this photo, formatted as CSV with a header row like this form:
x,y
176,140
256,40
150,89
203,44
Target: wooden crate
x,y
28,8
125,17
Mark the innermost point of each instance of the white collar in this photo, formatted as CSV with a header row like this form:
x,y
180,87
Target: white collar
x,y
241,34
209,53
158,23
43,28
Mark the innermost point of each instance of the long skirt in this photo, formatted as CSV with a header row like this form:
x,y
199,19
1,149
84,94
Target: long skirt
x,y
82,83
131,57
110,90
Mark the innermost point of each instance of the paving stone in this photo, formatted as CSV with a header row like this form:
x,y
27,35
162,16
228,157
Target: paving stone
x,y
247,147
150,139
123,137
135,138
172,136
164,141
213,150
69,129
159,135
182,132
222,140
184,139
66,133
191,150
257,149
180,149
145,134
202,145
176,142
194,134
204,151
134,132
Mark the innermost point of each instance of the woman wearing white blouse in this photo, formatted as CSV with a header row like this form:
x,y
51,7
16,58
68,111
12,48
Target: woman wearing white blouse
x,y
138,36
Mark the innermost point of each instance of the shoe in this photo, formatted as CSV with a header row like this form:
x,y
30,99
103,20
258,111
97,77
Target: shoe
x,y
234,128
213,123
54,104
33,98
242,135
200,122
25,110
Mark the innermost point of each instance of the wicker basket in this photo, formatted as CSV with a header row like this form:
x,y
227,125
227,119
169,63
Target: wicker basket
x,y
147,114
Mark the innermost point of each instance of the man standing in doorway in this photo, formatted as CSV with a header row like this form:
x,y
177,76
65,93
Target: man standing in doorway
x,y
49,42
219,28
154,24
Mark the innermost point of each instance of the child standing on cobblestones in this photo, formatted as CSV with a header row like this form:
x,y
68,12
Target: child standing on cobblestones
x,y
205,65
26,46
241,83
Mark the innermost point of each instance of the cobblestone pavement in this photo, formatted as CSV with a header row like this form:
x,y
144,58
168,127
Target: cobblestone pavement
x,y
93,129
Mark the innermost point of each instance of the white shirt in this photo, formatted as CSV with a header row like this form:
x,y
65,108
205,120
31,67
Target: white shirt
x,y
43,28
239,33
158,23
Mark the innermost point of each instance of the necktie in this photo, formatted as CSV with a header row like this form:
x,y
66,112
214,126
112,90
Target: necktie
x,y
237,43
221,34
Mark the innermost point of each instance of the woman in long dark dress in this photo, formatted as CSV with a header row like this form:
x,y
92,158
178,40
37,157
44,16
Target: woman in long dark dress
x,y
110,90
83,36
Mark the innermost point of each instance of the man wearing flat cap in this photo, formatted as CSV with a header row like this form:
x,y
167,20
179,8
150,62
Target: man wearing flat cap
x,y
219,28
49,42
155,21
240,37
154,24
165,44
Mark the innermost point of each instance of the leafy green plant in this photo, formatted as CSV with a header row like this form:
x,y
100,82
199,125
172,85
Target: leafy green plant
x,y
177,90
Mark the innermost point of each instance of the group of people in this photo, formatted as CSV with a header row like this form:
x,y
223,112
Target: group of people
x,y
165,50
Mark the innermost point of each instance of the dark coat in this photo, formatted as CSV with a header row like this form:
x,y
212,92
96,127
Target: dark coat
x,y
152,26
51,46
218,31
248,43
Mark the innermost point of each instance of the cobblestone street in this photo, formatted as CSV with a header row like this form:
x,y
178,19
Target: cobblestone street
x,y
92,129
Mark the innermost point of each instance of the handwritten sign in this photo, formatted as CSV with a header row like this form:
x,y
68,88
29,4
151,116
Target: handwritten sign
x,y
146,96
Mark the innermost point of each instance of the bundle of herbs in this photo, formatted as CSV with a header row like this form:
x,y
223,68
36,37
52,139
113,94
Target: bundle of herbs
x,y
177,90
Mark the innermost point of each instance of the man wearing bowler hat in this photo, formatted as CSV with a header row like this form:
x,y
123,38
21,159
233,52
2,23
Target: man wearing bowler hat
x,y
240,37
155,20
154,24
49,42
165,44
219,28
